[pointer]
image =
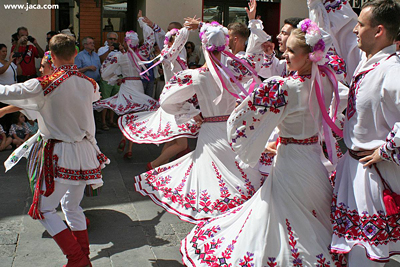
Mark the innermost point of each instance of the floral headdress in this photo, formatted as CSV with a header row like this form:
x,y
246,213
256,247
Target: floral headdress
x,y
47,57
132,39
315,39
169,34
214,37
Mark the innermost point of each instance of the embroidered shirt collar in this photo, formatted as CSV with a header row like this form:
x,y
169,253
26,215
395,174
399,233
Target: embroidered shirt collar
x,y
381,55
67,68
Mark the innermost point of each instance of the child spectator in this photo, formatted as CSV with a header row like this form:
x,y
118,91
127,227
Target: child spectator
x,y
19,132
5,141
32,126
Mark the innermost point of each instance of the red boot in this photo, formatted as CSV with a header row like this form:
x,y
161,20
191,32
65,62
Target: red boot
x,y
83,240
71,248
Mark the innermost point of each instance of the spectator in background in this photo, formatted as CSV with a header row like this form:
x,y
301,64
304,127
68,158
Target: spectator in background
x,y
5,141
8,69
48,37
29,53
109,49
111,46
19,131
192,56
14,39
87,61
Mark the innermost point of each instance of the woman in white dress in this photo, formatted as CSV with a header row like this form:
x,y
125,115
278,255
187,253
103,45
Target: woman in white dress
x,y
207,181
157,127
286,223
124,68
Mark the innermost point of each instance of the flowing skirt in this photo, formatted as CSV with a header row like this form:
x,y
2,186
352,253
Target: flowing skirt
x,y
130,98
358,212
155,127
204,183
286,223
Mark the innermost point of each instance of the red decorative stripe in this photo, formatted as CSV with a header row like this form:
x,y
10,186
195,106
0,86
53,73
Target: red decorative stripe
x,y
308,141
50,82
216,119
48,174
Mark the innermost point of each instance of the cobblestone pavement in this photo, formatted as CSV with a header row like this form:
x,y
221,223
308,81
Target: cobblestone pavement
x,y
126,228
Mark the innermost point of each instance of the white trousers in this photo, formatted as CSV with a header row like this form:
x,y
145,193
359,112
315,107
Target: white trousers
x,y
70,196
357,258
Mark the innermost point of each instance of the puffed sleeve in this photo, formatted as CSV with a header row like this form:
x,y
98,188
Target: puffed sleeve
x,y
338,19
27,95
148,37
252,122
390,150
159,35
111,68
170,54
272,66
176,93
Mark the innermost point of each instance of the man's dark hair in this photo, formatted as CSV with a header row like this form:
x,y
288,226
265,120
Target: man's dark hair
x,y
398,36
239,29
294,21
2,46
176,25
14,37
21,28
386,13
51,33
62,46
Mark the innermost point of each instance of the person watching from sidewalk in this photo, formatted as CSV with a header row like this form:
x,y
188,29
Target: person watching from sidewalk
x,y
28,52
87,61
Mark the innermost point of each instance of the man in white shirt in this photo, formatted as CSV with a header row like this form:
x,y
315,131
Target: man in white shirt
x,y
364,226
62,104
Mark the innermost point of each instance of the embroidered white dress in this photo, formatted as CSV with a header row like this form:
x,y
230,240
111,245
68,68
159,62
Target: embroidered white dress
x,y
207,181
286,223
63,101
358,213
156,127
131,96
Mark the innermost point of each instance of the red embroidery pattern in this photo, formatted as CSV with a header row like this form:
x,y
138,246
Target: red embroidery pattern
x,y
270,96
206,255
50,82
297,262
190,201
216,119
334,5
77,175
130,106
375,229
140,130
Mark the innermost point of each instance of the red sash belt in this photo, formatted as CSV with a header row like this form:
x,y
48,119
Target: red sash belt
x,y
290,140
46,173
216,119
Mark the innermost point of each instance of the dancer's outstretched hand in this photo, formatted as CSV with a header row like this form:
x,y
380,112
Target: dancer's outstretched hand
x,y
148,21
252,9
139,15
192,23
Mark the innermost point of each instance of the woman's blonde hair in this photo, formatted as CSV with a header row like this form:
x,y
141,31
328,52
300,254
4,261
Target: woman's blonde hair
x,y
301,39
